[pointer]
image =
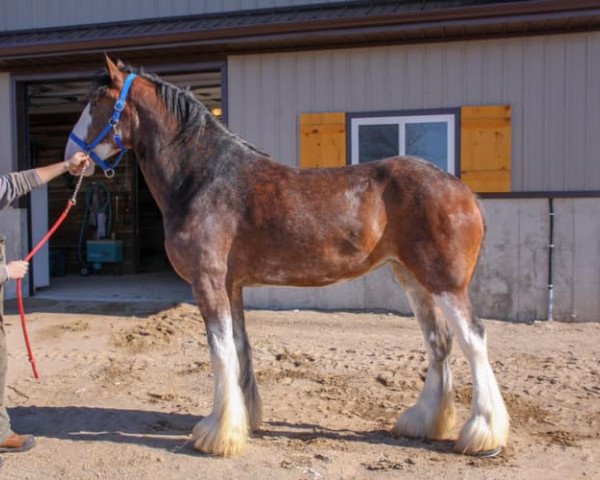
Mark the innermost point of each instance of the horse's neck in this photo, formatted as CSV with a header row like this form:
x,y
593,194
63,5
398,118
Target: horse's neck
x,y
168,167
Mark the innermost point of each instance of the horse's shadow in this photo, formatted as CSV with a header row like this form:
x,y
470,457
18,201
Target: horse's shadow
x,y
159,430
309,432
170,431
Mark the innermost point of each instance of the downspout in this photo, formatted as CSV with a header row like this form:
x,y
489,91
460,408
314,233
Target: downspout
x,y
550,250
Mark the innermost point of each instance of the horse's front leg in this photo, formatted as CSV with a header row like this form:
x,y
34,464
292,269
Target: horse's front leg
x,y
225,430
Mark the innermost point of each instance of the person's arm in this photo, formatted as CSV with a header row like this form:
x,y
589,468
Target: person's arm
x,y
73,165
50,172
17,184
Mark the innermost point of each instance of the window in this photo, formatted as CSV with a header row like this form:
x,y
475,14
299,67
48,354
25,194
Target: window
x,y
427,134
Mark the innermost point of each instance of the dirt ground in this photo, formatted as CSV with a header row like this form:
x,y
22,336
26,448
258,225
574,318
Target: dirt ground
x,y
123,385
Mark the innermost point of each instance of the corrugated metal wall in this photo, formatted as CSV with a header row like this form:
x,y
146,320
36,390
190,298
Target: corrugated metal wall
x,y
551,82
26,14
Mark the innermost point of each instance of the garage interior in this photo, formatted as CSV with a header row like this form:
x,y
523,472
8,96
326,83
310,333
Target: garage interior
x,y
130,214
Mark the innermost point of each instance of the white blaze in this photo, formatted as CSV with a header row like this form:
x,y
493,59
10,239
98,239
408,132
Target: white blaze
x,y
80,129
104,150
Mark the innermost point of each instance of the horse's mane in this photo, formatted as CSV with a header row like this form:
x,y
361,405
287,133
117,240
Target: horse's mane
x,y
190,113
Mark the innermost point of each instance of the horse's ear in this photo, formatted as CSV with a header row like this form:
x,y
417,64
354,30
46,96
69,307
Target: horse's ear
x,y
116,75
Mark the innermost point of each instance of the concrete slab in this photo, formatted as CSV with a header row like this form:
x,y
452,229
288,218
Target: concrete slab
x,y
148,287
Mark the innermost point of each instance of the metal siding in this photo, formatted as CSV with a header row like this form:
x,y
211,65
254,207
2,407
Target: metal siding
x,y
286,118
269,105
592,113
454,71
323,78
574,114
252,94
305,83
473,81
553,169
377,78
533,113
413,80
340,65
29,14
553,95
512,94
492,73
433,65
358,81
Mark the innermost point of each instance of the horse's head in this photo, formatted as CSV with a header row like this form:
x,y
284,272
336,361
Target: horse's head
x,y
104,128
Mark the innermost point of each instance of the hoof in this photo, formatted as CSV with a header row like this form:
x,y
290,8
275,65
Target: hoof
x,y
213,438
488,453
417,423
483,438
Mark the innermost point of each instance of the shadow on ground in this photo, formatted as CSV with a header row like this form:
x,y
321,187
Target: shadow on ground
x,y
170,431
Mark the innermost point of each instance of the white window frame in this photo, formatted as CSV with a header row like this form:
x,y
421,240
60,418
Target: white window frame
x,y
402,119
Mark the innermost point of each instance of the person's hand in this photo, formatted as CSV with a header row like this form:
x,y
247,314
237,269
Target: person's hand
x,y
80,162
17,269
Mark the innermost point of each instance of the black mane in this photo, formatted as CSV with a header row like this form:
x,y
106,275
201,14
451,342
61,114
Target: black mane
x,y
191,114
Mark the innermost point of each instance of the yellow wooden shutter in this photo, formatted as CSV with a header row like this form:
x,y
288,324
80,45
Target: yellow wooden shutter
x,y
322,140
486,148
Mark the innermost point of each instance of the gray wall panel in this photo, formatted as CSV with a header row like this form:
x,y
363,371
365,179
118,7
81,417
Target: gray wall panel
x,y
28,14
592,111
555,97
577,254
512,276
553,114
575,106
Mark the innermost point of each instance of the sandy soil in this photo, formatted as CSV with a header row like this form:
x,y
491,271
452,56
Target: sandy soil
x,y
122,387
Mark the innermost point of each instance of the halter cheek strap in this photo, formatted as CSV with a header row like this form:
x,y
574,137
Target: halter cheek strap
x,y
109,170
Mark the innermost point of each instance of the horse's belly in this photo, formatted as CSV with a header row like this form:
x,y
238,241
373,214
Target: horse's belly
x,y
318,266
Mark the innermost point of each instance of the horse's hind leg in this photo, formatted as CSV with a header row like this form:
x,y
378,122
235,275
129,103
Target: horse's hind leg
x,y
433,416
244,352
225,430
486,431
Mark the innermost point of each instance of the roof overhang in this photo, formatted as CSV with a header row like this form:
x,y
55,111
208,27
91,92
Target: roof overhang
x,y
334,25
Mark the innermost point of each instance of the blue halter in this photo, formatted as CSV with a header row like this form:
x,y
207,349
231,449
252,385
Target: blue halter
x,y
88,148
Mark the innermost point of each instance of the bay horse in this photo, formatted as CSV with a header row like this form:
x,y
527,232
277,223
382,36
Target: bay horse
x,y
234,217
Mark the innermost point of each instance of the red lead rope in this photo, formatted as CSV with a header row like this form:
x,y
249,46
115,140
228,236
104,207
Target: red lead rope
x,y
29,256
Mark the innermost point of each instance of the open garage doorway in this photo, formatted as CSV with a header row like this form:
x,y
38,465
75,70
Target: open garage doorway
x,y
130,215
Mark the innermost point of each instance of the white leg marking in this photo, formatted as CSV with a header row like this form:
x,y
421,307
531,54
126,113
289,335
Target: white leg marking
x,y
434,414
225,430
487,429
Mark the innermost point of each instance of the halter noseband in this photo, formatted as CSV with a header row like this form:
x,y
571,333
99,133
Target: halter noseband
x,y
88,148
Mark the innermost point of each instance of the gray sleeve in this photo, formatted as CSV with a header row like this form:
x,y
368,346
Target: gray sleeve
x,y
17,184
3,275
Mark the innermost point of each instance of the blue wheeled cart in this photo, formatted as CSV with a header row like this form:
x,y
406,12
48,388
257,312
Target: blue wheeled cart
x,y
103,249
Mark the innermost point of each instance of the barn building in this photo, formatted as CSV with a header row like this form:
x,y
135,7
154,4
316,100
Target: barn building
x,y
503,94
